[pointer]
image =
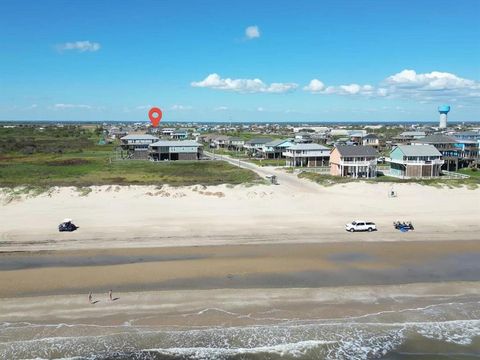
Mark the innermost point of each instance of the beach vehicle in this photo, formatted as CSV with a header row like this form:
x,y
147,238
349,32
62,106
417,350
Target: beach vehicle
x,y
361,225
67,225
403,226
273,179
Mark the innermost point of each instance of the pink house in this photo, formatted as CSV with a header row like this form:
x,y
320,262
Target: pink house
x,y
354,161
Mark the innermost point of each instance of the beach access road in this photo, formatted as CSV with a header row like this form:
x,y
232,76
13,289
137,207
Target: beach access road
x,y
288,181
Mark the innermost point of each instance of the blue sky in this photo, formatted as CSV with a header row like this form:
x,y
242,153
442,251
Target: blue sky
x,y
239,60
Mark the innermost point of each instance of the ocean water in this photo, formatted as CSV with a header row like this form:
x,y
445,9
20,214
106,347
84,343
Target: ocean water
x,y
449,330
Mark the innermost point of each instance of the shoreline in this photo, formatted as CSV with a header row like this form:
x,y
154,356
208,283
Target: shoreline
x,y
234,307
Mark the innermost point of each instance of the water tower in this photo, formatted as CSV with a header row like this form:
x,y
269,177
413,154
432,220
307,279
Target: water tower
x,y
443,110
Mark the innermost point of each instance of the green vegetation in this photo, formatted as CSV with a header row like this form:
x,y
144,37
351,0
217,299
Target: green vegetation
x,y
46,160
244,135
473,172
329,180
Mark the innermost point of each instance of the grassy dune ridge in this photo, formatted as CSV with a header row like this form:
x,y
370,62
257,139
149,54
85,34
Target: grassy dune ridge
x,y
51,158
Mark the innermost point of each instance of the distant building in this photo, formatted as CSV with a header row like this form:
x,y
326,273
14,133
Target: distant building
x,y
307,155
303,137
220,141
354,161
371,140
407,137
235,143
415,161
116,133
467,135
179,135
446,146
175,150
254,145
168,131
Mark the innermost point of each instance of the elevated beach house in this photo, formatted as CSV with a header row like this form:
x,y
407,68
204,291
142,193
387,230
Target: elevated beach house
x,y
136,145
274,149
137,141
308,155
253,146
235,143
175,150
354,161
415,161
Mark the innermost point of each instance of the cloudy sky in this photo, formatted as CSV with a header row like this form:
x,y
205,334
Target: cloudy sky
x,y
209,60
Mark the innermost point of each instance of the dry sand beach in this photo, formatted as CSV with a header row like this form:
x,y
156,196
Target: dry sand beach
x,y
137,216
240,273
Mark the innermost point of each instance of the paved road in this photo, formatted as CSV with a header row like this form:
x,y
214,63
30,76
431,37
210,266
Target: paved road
x,y
285,180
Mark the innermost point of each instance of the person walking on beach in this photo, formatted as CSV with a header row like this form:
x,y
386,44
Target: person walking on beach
x,y
110,296
90,298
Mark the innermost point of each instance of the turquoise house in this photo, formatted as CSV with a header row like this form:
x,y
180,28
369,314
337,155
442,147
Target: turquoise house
x,y
415,161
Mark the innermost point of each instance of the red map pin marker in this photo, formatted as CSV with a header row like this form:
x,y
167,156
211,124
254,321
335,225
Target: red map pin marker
x,y
155,115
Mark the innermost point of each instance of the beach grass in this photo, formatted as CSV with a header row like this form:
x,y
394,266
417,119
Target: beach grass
x,y
70,156
84,170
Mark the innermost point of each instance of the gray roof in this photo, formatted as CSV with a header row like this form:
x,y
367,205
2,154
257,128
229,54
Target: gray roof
x,y
175,143
220,137
419,150
467,133
370,136
140,137
260,141
413,133
352,150
277,142
311,147
436,139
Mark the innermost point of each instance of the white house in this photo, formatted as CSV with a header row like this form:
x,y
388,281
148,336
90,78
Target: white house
x,y
308,155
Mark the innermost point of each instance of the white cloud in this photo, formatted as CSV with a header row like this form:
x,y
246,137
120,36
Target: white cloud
x,y
260,109
315,85
214,81
80,46
71,106
180,107
252,32
429,86
408,84
318,87
220,108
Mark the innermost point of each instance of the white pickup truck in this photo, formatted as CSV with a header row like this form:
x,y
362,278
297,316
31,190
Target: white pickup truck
x,y
360,225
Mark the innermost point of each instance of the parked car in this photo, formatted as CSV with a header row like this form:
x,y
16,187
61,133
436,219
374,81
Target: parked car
x,y
360,225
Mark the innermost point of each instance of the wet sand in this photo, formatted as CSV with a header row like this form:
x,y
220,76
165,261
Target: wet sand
x,y
242,267
237,307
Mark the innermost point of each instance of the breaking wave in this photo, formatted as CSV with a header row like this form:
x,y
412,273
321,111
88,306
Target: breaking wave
x,y
305,341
